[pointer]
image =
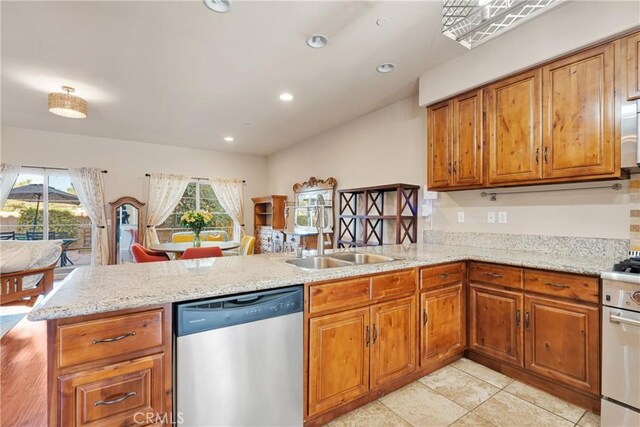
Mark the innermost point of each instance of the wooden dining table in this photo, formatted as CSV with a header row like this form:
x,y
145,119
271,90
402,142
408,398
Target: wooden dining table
x,y
179,247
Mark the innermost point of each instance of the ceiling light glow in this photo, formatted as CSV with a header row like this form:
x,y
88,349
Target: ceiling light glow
x,y
229,139
286,96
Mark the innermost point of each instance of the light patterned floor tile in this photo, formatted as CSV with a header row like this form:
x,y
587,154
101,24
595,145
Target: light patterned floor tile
x,y
464,389
545,401
420,406
482,372
373,414
472,420
589,419
506,410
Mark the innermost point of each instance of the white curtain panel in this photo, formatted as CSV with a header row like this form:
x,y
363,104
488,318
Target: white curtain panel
x,y
90,190
230,194
165,191
8,176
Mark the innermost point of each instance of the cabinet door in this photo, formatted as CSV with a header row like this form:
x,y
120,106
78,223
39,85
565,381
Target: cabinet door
x,y
467,139
494,327
393,353
443,330
562,341
578,115
633,66
514,120
338,358
439,135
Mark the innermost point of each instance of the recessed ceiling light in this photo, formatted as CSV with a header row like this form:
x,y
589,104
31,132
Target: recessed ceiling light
x,y
229,139
386,68
381,22
220,6
317,41
286,96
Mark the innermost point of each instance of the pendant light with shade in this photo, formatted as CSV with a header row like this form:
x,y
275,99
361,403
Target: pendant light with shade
x,y
67,105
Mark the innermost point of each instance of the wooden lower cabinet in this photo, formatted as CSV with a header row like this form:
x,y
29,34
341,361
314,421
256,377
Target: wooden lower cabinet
x,y
443,318
494,327
562,342
393,336
338,358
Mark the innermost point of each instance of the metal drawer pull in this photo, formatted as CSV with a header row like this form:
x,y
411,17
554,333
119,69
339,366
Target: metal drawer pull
x,y
425,317
375,333
116,400
496,275
368,337
444,275
518,318
557,285
114,339
619,319
526,320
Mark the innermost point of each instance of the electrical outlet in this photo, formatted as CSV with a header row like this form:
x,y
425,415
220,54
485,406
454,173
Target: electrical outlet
x,y
502,217
461,216
491,217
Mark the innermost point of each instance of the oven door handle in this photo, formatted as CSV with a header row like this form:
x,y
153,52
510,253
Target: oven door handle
x,y
619,319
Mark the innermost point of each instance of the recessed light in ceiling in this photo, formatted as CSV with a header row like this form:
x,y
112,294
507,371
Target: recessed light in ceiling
x,y
382,21
220,6
317,41
386,68
228,139
286,96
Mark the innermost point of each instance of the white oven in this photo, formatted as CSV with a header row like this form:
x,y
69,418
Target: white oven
x,y
621,351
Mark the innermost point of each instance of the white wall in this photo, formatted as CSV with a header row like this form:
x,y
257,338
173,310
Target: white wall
x,y
563,29
128,161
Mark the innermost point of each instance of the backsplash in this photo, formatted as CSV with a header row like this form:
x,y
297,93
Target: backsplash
x,y
634,204
559,245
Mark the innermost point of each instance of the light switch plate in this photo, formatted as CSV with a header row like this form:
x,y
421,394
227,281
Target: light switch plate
x,y
461,216
502,217
491,217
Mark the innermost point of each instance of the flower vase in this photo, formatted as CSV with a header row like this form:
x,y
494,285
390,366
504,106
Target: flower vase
x,y
197,242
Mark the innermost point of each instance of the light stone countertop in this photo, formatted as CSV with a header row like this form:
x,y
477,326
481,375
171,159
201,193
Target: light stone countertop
x,y
91,290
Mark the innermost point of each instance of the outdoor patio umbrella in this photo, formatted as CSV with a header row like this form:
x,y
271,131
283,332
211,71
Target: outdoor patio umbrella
x,y
33,193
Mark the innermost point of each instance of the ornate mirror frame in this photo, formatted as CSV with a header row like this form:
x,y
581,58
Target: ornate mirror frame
x,y
317,186
112,232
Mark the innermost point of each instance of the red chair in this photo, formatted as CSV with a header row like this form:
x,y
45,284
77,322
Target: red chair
x,y
141,254
193,253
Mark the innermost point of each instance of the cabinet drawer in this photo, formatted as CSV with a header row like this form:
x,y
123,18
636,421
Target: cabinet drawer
x,y
393,285
433,277
496,275
97,339
121,394
563,285
345,293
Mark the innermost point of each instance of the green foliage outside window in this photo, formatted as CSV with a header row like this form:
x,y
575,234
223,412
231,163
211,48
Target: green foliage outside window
x,y
60,221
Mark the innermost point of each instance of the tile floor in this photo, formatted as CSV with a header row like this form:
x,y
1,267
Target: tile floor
x,y
466,394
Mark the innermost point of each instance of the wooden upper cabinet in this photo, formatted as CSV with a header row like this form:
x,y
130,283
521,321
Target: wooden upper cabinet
x,y
633,66
338,358
514,109
563,342
467,139
578,114
439,141
442,316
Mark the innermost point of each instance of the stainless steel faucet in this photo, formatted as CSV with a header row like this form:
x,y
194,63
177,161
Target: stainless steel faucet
x,y
320,225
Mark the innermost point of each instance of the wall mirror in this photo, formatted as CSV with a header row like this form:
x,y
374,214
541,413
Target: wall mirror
x,y
307,197
126,228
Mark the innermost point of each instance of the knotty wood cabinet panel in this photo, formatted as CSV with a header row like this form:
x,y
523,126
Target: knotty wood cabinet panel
x,y
514,110
467,139
562,342
633,66
439,142
393,353
578,114
494,326
338,358
443,324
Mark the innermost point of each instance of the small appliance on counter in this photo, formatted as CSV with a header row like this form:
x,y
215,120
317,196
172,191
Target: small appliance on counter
x,y
620,405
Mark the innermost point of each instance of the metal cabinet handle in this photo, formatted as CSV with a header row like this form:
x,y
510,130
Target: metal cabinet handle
x,y
613,318
114,339
518,318
496,275
444,275
546,154
425,317
116,400
557,285
537,156
526,320
375,333
449,168
368,339
455,166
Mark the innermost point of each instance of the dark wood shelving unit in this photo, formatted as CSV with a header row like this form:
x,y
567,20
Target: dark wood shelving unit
x,y
362,218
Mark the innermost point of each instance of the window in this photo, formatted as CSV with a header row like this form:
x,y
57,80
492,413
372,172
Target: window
x,y
198,195
33,214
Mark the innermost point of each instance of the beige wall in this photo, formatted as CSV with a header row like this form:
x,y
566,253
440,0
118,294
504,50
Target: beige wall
x,y
128,161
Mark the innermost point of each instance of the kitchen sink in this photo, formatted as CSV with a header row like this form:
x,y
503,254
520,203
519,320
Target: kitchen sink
x,y
358,258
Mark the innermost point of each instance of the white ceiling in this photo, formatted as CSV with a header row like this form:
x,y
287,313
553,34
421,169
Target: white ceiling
x,y
176,73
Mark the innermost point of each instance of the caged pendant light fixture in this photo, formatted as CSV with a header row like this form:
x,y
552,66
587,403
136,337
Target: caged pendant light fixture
x,y
67,105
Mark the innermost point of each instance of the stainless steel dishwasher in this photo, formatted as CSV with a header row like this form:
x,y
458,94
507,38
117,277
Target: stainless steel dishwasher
x,y
239,360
